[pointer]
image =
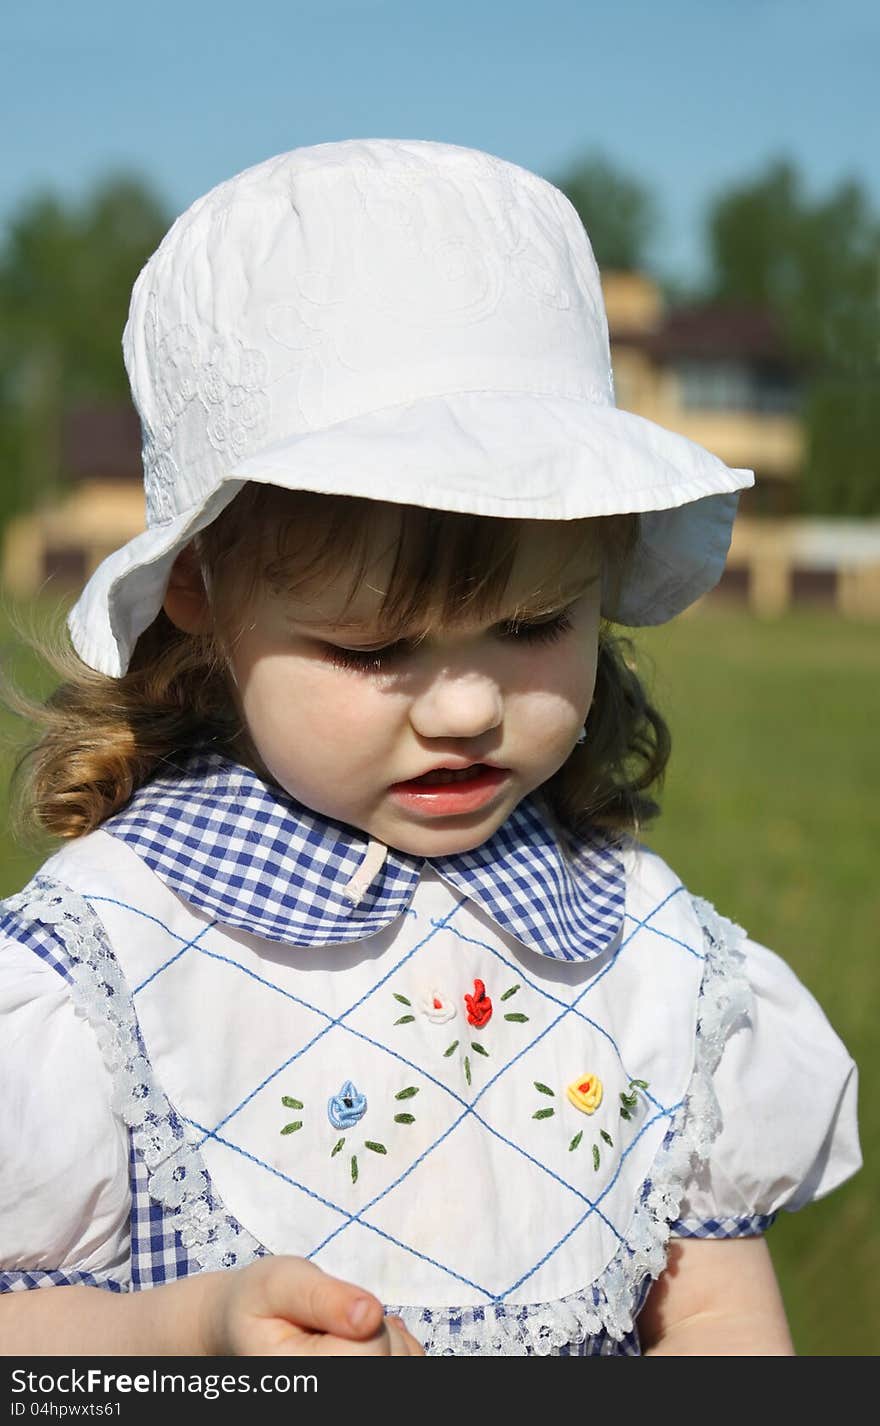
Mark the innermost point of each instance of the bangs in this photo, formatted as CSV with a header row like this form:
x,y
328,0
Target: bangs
x,y
430,569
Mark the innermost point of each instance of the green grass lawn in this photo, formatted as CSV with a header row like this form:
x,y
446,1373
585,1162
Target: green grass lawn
x,y
772,812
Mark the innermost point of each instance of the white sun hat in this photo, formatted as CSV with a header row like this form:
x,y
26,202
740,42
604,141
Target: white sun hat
x,y
407,321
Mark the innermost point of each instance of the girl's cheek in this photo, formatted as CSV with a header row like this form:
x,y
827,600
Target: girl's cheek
x,y
326,706
561,673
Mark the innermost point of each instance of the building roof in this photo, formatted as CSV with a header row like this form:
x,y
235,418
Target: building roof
x,y
712,330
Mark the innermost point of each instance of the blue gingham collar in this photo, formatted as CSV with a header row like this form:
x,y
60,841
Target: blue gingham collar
x,y
246,853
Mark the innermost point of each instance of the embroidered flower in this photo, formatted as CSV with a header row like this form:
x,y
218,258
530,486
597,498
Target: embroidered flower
x,y
479,1006
346,1107
437,1007
585,1093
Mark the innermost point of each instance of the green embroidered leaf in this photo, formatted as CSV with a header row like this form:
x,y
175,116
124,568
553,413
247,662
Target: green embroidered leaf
x,y
543,1113
625,1114
467,1069
402,998
518,1017
336,1147
291,1103
576,1140
508,993
404,1119
479,1049
629,1101
407,1093
607,1137
638,1084
453,1046
405,1020
595,1156
292,1128
354,1169
377,1148
544,1088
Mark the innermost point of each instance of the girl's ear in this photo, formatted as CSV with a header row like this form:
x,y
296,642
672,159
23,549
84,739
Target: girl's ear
x,y
186,600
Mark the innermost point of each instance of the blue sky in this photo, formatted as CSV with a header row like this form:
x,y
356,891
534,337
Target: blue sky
x,y
685,96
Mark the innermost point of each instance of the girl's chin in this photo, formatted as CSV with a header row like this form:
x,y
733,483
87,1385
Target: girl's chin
x,y
442,839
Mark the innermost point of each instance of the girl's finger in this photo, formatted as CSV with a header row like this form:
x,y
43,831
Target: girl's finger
x,y
299,1292
403,1343
392,1340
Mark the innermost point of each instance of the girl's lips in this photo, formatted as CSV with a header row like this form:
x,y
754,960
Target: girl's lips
x,y
445,799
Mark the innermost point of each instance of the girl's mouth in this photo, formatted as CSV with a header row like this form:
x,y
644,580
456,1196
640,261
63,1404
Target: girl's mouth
x,y
447,791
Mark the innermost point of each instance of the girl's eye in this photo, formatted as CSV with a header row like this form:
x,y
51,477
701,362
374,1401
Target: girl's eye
x,y
546,632
376,660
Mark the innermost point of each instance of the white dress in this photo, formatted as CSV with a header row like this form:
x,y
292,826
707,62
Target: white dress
x,y
488,1088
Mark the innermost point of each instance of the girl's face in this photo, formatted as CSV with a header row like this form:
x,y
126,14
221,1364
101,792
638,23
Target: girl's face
x,y
346,722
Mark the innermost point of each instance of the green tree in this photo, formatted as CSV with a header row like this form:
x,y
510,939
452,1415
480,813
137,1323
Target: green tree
x,y
66,272
618,212
816,265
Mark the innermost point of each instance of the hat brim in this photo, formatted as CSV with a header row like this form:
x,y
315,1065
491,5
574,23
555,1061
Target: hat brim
x,y
503,455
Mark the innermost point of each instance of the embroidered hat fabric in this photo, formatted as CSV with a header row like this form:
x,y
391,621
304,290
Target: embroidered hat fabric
x,y
406,321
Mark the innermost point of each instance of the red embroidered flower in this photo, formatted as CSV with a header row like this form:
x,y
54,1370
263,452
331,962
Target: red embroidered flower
x,y
479,1006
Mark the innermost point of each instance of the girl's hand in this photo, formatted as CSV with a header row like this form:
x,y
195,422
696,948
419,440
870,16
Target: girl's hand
x,y
287,1307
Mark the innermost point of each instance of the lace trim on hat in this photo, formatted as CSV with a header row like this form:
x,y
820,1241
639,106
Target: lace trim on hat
x,y
178,1179
181,1184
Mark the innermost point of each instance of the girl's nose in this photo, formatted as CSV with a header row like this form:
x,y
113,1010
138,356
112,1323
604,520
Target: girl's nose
x,y
457,705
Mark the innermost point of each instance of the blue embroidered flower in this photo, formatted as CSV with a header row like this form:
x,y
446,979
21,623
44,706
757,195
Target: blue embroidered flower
x,y
347,1107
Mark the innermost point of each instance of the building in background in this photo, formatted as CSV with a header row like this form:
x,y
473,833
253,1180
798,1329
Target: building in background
x,y
721,376
99,505
718,375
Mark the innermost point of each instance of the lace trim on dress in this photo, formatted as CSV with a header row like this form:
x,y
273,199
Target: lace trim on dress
x,y
178,1179
611,1303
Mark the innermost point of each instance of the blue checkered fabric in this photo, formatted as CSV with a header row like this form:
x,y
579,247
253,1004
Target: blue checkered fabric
x,y
157,1254
35,1277
249,855
752,1225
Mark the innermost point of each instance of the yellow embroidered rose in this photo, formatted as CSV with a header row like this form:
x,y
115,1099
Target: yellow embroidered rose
x,y
586,1093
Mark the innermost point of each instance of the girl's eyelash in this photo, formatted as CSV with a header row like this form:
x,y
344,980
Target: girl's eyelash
x,y
546,632
366,660
374,660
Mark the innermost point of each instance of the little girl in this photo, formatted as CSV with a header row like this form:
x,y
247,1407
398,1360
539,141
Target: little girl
x,y
353,1017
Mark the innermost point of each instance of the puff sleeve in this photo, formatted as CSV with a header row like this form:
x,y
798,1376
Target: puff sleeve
x,y
64,1191
786,1089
